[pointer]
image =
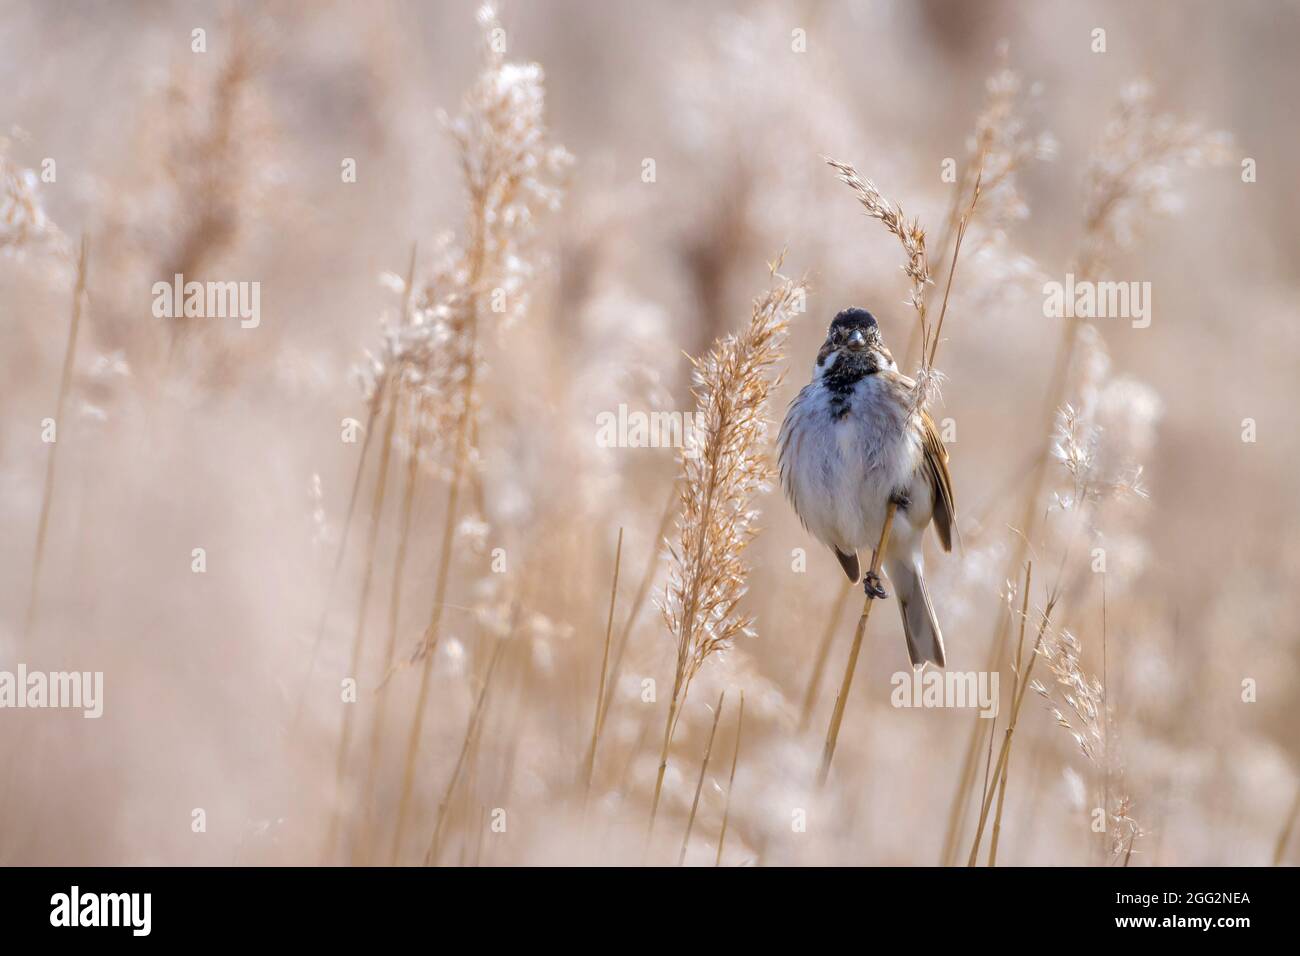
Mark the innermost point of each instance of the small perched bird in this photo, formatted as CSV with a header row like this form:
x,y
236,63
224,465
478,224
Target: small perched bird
x,y
849,446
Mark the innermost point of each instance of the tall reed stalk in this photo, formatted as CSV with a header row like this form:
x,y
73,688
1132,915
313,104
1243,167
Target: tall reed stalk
x,y
1004,753
731,781
471,735
1125,178
60,426
358,639
1015,693
391,380
638,602
604,667
846,682
699,784
394,610
823,651
429,643
911,238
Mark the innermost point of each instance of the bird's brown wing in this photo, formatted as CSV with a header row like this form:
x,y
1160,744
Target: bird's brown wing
x,y
936,462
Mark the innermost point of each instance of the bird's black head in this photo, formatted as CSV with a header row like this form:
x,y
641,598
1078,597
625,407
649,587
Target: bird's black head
x,y
851,319
853,348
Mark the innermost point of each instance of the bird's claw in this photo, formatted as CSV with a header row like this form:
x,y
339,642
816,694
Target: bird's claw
x,y
871,585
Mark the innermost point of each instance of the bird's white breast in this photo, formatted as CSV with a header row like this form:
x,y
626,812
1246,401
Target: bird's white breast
x,y
840,473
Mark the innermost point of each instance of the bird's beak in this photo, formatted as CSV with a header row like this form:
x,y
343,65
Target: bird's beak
x,y
857,339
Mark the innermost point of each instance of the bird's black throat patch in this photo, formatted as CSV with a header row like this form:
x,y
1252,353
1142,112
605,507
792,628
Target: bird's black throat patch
x,y
841,380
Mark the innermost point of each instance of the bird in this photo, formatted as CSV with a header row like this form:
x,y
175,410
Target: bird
x,y
851,443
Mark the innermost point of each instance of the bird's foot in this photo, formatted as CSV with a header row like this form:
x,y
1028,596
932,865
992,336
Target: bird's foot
x,y
872,587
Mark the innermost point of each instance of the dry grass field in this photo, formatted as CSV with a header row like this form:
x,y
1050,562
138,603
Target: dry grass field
x,y
441,524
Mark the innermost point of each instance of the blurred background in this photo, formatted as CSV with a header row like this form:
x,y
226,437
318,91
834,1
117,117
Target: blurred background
x,y
693,139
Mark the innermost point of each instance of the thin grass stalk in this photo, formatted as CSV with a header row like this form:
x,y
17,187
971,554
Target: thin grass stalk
x,y
674,704
431,640
663,755
65,386
358,640
638,601
604,667
371,416
1015,692
699,784
1089,263
952,268
465,428
431,635
435,844
837,716
1284,837
731,782
1028,528
823,651
966,779
1005,750
394,610
988,755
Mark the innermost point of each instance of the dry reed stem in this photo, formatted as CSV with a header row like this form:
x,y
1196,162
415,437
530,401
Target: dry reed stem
x,y
1284,837
431,634
731,782
823,651
669,725
1110,192
1005,750
358,640
431,856
65,385
912,238
394,612
699,784
372,416
1015,688
638,601
837,716
966,780
952,267
1027,527
604,667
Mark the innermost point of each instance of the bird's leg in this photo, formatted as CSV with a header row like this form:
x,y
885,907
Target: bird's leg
x,y
900,500
871,583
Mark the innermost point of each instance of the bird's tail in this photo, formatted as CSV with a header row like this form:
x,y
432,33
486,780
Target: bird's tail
x,y
924,639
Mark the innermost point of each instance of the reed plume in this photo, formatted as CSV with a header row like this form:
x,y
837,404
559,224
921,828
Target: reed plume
x,y
510,169
1130,177
25,228
721,476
